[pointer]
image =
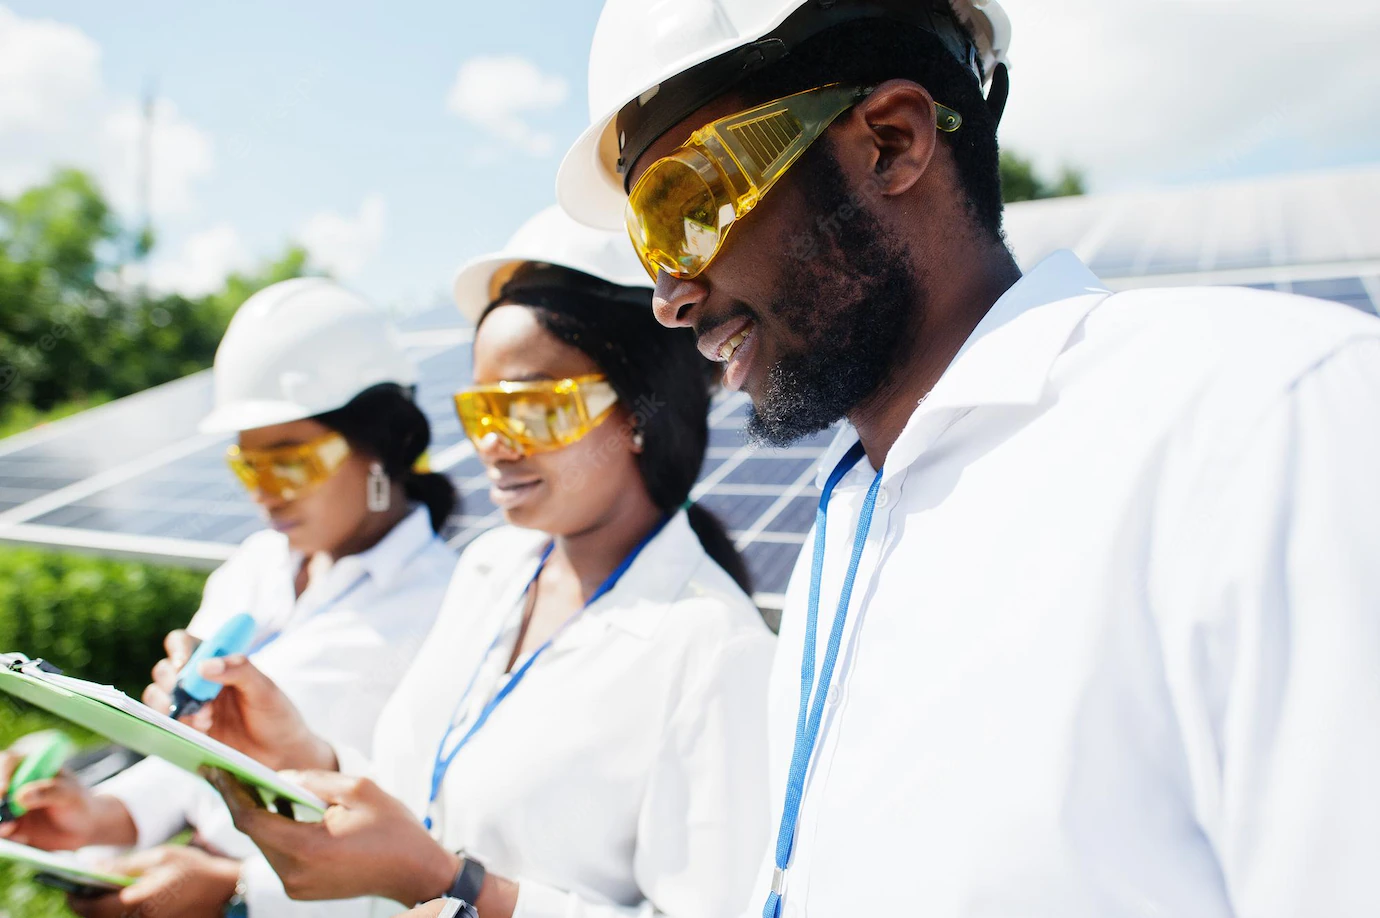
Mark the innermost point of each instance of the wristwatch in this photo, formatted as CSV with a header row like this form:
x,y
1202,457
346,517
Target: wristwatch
x,y
238,906
469,881
454,908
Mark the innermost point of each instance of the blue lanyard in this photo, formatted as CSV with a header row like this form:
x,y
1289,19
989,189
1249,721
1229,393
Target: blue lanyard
x,y
811,715
443,759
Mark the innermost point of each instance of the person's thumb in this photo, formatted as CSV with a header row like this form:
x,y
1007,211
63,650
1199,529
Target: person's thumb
x,y
332,786
46,794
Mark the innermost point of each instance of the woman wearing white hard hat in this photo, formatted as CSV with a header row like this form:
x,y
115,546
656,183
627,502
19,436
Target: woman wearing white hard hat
x,y
583,734
343,585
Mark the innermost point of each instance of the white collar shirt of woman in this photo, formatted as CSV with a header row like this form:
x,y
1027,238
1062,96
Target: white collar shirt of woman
x,y
625,776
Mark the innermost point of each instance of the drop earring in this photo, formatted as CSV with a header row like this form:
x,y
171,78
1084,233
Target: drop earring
x,y
637,440
379,489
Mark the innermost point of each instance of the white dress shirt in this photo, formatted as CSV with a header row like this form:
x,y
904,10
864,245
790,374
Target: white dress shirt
x,y
625,775
1114,643
339,651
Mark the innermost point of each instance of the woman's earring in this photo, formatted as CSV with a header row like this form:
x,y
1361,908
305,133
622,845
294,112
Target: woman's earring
x,y
380,490
637,440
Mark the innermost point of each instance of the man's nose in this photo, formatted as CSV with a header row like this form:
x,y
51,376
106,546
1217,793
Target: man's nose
x,y
675,298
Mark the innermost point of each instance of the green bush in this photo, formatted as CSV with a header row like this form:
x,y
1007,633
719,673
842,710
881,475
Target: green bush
x,y
99,620
96,619
20,898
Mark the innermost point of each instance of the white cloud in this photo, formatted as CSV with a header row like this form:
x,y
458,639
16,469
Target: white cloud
x,y
55,111
344,244
497,92
200,266
46,69
1135,92
181,155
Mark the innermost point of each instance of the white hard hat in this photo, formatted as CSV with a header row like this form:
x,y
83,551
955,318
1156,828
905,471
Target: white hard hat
x,y
300,348
641,44
551,237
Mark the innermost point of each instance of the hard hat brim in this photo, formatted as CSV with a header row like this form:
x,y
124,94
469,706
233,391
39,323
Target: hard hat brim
x,y
243,416
586,188
552,238
473,285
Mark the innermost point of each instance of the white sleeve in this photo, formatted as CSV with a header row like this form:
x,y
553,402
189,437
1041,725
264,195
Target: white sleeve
x,y
158,796
1279,679
703,824
265,898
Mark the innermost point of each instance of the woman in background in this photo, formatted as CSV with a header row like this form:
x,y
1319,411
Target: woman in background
x,y
583,735
343,585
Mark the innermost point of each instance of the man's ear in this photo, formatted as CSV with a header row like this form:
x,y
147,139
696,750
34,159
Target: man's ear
x,y
890,137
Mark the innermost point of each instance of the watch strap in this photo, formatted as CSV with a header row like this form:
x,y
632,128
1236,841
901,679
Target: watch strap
x,y
469,881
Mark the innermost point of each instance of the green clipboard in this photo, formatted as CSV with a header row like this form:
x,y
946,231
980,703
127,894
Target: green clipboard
x,y
62,869
114,715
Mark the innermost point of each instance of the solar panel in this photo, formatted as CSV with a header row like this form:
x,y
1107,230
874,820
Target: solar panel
x,y
134,478
1318,225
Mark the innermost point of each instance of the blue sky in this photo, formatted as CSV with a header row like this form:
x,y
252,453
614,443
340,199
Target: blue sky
x,y
331,120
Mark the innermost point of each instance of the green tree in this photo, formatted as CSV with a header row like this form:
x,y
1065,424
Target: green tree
x,y
70,331
49,238
1020,181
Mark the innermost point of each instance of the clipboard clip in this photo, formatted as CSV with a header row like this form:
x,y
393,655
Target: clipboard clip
x,y
18,663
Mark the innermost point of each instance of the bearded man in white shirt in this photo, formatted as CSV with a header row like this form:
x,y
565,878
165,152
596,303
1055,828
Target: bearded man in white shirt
x,y
1091,628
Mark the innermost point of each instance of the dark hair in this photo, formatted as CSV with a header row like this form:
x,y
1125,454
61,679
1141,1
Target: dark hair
x,y
659,375
866,52
385,423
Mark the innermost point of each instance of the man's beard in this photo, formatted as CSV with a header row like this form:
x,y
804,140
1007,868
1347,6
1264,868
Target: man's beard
x,y
853,297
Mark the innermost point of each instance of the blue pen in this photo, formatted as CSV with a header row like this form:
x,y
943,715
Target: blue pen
x,y
192,691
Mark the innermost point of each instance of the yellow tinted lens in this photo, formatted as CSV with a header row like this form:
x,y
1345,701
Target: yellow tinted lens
x,y
531,422
531,418
675,216
477,415
243,470
290,470
292,474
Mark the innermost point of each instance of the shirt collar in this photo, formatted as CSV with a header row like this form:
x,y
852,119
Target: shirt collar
x,y
383,562
1009,355
388,558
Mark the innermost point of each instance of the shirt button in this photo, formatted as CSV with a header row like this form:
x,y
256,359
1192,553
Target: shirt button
x,y
883,497
833,696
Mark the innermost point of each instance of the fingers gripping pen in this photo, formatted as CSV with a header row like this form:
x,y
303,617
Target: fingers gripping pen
x,y
42,763
192,691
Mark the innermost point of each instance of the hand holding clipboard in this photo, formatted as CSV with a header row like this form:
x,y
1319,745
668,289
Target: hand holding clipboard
x,y
111,713
235,704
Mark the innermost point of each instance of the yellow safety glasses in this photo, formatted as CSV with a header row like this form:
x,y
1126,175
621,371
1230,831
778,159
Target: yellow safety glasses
x,y
683,206
536,417
289,471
